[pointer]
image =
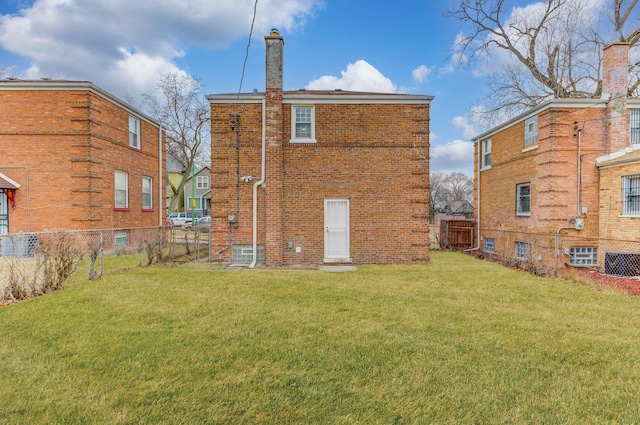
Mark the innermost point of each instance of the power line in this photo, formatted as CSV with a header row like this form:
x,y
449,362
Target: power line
x,y
246,54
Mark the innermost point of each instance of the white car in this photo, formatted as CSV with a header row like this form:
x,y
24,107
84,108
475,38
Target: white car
x,y
181,218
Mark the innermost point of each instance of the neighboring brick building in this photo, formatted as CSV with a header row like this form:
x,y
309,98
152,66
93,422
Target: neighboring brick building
x,y
559,168
82,159
345,175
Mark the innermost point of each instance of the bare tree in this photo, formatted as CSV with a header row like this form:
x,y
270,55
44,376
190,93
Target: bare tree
x,y
181,108
548,49
448,188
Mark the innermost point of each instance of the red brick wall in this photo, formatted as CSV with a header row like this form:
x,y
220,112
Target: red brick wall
x,y
551,168
374,155
71,142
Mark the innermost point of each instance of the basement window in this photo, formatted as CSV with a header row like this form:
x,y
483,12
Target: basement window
x,y
582,256
489,245
523,250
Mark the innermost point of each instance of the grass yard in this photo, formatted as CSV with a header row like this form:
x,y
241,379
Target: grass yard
x,y
457,341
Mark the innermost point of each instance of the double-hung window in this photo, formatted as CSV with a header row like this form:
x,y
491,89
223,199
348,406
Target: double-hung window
x,y
634,124
303,125
631,194
202,182
531,130
134,132
121,195
523,199
147,196
486,153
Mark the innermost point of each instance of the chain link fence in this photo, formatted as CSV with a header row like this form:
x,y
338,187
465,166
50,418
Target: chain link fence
x,y
32,264
549,253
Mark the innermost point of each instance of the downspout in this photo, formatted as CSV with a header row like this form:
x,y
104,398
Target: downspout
x,y
258,183
557,252
579,212
161,188
477,247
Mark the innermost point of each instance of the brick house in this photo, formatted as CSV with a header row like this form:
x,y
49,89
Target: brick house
x,y
312,177
561,167
72,156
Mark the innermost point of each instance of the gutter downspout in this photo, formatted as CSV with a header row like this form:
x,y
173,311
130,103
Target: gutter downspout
x,y
161,187
258,183
556,252
479,159
579,211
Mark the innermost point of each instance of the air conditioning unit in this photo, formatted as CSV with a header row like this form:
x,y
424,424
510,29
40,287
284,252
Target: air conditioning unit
x,y
578,223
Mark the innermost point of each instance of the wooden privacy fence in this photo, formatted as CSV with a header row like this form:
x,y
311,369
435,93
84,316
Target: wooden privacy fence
x,y
457,234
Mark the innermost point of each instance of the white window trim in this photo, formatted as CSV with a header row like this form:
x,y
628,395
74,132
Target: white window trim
x,y
136,132
150,193
126,189
634,126
520,213
483,144
295,139
202,182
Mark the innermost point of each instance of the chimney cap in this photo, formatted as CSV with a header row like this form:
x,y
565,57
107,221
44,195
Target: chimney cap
x,y
274,32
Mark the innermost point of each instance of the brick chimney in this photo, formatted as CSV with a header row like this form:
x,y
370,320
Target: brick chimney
x,y
615,83
274,196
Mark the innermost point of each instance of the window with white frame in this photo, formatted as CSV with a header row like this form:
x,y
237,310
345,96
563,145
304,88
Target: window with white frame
x,y
489,245
303,124
531,130
523,250
523,199
631,194
634,124
196,203
202,182
121,194
583,256
486,153
134,132
147,190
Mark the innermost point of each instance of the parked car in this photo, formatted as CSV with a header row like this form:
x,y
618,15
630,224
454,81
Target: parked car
x,y
182,218
204,224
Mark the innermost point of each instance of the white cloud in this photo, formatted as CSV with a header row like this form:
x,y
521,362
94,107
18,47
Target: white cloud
x,y
359,76
421,73
456,156
470,123
123,45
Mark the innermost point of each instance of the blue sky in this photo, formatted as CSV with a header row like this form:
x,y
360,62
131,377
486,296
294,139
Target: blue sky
x,y
123,46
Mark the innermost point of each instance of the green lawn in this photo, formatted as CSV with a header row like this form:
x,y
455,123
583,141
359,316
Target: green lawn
x,y
457,341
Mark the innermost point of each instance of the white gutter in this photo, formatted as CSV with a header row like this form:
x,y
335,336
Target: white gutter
x,y
258,183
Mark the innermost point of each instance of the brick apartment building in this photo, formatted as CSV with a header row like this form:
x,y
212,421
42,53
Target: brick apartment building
x,y
312,177
567,165
73,156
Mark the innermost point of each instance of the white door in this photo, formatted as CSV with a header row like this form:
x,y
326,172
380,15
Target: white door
x,y
336,230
